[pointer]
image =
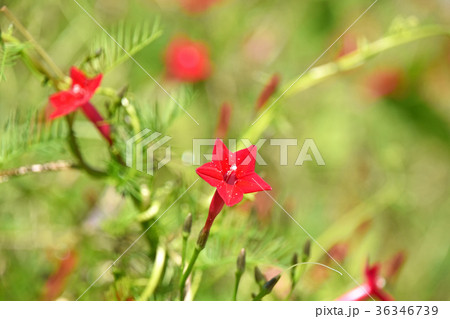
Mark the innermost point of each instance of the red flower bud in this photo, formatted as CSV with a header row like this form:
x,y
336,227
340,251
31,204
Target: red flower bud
x,y
268,91
224,120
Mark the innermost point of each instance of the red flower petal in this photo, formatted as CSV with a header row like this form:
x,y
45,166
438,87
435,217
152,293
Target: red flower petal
x,y
77,77
65,102
252,183
220,156
89,86
371,273
231,194
245,161
210,174
359,293
93,84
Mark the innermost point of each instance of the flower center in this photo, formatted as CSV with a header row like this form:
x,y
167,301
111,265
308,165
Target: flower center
x,y
78,90
230,177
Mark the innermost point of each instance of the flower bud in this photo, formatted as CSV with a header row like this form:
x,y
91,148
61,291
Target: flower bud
x,y
224,120
268,286
259,277
187,226
268,91
241,262
306,251
202,239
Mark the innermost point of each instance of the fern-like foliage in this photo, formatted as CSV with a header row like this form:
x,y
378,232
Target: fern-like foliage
x,y
166,109
28,130
9,54
115,47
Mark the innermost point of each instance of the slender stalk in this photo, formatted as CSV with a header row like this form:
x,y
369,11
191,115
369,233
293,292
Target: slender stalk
x,y
187,226
77,152
266,288
155,275
240,268
183,253
259,296
236,285
35,169
188,271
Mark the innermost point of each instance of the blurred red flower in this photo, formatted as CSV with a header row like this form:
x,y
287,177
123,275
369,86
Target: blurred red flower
x,y
383,82
81,91
187,60
233,174
196,6
224,120
55,284
349,45
268,91
372,287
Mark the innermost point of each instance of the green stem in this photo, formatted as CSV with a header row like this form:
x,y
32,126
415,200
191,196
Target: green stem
x,y
155,275
188,271
236,285
258,297
183,253
77,152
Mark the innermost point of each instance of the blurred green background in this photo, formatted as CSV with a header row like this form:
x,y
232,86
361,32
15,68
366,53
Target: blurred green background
x,y
384,188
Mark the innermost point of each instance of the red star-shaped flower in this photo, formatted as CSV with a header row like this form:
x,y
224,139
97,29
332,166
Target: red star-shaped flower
x,y
233,174
81,91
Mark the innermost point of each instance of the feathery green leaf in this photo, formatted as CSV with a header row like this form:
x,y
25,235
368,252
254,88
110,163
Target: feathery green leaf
x,y
128,40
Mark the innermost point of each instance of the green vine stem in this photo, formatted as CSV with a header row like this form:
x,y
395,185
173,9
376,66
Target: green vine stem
x,y
77,152
240,268
155,276
188,270
348,62
236,285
